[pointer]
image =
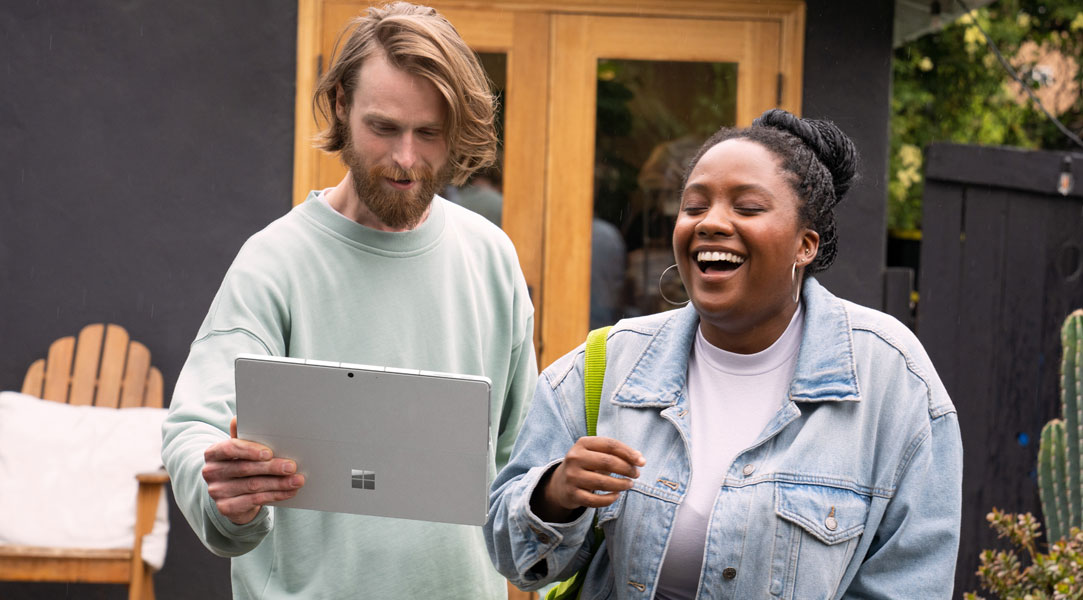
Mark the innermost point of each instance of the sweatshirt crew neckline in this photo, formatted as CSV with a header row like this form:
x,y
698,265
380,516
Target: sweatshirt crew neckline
x,y
390,243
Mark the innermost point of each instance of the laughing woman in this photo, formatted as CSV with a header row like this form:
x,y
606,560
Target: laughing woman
x,y
770,440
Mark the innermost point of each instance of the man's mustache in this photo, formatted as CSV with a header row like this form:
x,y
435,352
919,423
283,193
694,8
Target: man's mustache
x,y
399,174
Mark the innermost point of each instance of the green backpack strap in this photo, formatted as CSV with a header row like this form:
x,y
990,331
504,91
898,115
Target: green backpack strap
x,y
593,375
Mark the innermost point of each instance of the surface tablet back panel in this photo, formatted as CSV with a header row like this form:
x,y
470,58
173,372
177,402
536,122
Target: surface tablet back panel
x,y
371,441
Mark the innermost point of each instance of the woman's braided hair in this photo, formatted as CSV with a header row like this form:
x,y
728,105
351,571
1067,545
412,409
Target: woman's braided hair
x,y
820,159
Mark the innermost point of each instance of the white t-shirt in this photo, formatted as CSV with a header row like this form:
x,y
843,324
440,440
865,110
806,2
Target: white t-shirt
x,y
731,398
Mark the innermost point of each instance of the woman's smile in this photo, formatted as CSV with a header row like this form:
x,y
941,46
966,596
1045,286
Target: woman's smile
x,y
714,261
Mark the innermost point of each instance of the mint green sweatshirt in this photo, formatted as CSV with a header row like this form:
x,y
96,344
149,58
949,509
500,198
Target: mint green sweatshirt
x,y
448,296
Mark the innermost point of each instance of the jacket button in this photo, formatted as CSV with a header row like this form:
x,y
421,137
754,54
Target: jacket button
x,y
749,469
541,535
830,521
729,573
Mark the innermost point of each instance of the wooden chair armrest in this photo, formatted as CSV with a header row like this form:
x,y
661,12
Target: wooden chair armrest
x,y
146,508
159,476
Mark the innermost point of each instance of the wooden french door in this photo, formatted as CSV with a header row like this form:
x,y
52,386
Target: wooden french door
x,y
715,62
657,63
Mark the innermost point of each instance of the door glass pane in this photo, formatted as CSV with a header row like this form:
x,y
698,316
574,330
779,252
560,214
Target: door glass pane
x,y
652,116
483,193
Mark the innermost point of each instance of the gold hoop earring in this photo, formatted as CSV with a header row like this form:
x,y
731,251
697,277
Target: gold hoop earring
x,y
661,291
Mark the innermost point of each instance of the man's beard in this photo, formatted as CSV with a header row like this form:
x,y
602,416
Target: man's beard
x,y
398,209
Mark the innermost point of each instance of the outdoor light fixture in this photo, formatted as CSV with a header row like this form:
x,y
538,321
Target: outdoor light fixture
x,y
934,12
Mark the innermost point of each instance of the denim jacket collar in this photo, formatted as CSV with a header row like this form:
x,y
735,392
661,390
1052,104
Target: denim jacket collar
x,y
825,362
826,370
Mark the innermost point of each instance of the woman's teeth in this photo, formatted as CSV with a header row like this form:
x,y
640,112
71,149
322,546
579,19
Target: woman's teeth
x,y
719,257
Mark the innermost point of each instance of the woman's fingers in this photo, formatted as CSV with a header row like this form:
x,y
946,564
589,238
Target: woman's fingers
x,y
594,481
592,500
605,455
599,462
612,447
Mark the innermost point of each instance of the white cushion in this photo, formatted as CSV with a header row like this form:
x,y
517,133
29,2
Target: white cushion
x,y
67,474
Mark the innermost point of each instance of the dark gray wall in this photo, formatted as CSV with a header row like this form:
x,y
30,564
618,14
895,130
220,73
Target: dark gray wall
x,y
848,81
991,313
142,142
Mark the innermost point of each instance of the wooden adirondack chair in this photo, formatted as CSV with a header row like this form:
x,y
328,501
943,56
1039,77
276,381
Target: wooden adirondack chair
x,y
104,368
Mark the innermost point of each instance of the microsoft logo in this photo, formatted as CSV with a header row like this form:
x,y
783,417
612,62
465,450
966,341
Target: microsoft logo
x,y
362,480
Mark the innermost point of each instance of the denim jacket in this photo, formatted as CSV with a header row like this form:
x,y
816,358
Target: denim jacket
x,y
853,488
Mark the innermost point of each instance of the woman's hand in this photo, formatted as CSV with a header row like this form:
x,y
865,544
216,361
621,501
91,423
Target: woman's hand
x,y
588,467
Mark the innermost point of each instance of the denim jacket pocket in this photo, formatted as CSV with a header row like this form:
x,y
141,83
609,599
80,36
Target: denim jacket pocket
x,y
816,535
829,514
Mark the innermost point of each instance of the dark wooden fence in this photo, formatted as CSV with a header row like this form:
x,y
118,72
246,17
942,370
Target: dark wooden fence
x,y
1001,266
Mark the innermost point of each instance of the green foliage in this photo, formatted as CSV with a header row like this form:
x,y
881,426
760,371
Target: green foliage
x,y
949,86
1054,575
1060,453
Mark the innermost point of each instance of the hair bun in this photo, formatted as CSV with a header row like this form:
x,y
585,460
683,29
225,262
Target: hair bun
x,y
833,147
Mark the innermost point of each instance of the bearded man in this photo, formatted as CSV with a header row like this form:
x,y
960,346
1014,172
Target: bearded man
x,y
376,270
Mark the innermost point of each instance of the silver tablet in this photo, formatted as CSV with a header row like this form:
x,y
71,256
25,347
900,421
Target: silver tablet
x,y
372,440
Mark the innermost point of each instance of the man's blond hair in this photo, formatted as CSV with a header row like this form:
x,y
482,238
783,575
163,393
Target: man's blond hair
x,y
420,41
